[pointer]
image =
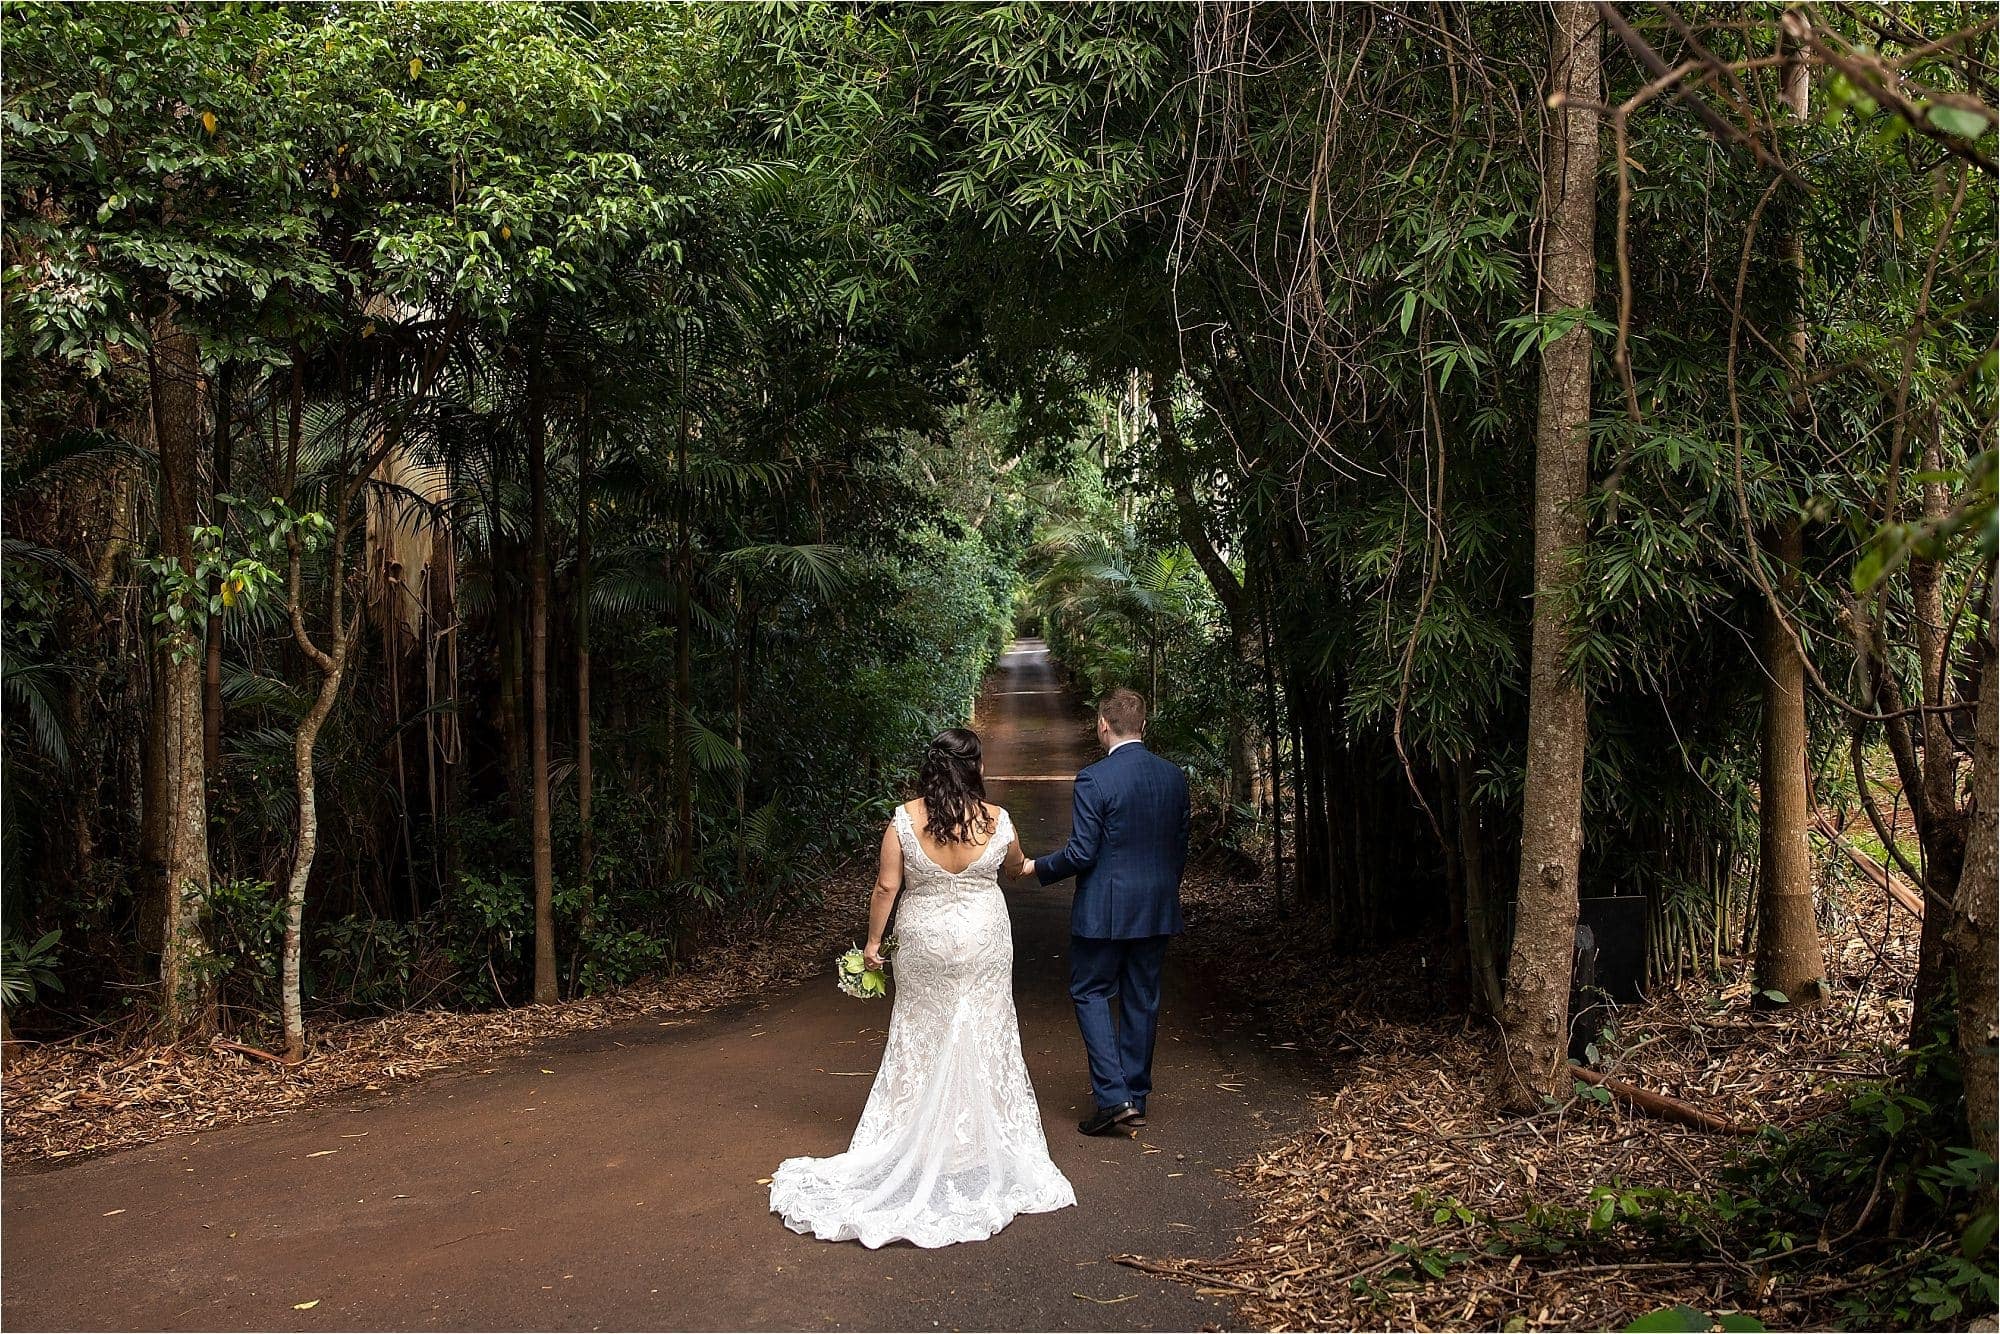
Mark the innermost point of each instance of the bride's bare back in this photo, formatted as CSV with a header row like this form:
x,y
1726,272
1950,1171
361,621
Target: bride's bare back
x,y
955,857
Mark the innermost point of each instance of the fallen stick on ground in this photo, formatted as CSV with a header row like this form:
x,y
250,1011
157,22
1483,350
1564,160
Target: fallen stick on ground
x,y
1906,898
1192,1275
1659,1104
223,1044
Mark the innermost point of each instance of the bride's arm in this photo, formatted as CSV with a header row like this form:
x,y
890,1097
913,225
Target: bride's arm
x,y
1017,860
1010,865
888,884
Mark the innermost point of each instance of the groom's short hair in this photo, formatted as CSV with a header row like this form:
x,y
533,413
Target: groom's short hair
x,y
1124,712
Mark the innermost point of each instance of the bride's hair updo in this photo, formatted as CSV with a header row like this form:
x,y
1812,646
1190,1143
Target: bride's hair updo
x,y
954,793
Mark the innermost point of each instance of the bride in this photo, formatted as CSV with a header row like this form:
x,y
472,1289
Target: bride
x,y
950,1145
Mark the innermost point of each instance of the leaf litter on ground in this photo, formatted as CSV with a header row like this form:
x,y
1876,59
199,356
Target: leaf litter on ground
x,y
1351,1205
67,1100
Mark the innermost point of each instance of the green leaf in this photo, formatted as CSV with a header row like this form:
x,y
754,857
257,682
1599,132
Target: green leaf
x,y
1977,1239
1964,123
1682,1317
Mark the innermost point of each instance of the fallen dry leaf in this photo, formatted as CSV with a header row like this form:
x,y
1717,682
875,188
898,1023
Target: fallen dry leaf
x,y
1402,1126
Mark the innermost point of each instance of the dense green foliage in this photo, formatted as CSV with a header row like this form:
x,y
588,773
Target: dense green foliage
x,y
764,365
421,237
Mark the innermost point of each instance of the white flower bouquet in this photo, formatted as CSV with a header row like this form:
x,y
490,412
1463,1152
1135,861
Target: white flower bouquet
x,y
854,977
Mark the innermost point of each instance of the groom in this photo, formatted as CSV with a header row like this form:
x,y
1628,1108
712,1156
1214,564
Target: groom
x,y
1127,846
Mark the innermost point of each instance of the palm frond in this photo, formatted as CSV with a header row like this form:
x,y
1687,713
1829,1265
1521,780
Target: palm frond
x,y
74,455
712,752
31,690
814,567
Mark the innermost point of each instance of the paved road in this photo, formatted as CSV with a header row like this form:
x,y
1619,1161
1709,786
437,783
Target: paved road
x,y
610,1180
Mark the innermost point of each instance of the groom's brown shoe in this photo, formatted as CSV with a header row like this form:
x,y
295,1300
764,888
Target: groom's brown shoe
x,y
1108,1120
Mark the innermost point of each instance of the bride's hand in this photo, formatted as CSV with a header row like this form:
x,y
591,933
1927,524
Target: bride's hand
x,y
872,954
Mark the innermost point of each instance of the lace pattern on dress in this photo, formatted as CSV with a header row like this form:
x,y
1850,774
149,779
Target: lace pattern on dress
x,y
950,1146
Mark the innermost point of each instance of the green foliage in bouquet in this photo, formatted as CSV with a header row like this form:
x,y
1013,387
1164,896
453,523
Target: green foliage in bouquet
x,y
854,977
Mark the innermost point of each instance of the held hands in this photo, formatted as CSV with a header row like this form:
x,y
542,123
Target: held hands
x,y
1028,867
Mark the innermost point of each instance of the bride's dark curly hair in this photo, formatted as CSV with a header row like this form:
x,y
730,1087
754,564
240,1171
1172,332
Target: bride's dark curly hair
x,y
954,793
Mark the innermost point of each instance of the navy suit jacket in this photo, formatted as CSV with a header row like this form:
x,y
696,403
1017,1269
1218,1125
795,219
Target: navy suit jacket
x,y
1127,847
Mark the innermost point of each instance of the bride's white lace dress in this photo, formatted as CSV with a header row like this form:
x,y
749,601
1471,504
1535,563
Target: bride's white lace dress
x,y
950,1147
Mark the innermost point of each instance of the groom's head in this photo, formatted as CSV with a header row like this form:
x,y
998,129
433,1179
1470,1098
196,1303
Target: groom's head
x,y
1121,716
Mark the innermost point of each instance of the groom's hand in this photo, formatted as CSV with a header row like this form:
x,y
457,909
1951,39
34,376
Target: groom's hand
x,y
1028,867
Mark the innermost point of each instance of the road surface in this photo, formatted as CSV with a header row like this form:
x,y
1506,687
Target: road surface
x,y
609,1180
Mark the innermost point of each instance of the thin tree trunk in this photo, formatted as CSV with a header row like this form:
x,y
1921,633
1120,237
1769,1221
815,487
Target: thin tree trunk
x,y
1480,935
683,660
1308,853
87,815
211,711
303,746
1788,961
1945,829
187,996
746,648
1535,1008
1788,946
1153,663
1274,773
513,735
148,686
1973,931
586,852
332,663
540,839
442,739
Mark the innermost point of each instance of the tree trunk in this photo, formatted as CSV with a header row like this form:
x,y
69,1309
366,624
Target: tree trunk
x,y
148,685
1788,946
1942,825
211,709
1481,957
683,661
332,664
187,996
513,736
586,851
1973,935
1535,1009
747,611
1274,774
538,691
442,738
307,847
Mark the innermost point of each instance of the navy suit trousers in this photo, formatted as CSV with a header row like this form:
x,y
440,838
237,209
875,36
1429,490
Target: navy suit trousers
x,y
1121,1058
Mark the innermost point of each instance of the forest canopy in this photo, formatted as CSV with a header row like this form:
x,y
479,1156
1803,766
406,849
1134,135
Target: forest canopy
x,y
493,492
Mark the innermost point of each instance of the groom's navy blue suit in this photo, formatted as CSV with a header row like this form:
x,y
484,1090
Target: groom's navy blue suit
x,y
1127,847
